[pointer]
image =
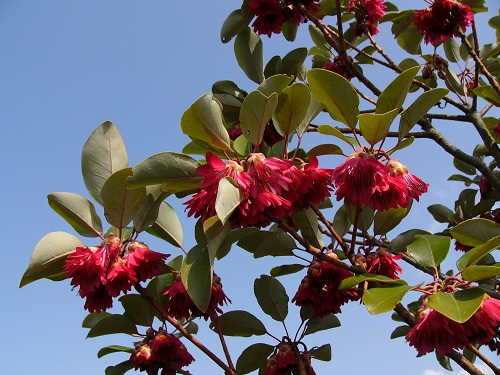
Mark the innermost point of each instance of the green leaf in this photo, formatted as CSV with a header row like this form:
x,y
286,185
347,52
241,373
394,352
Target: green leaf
x,y
307,222
235,23
419,108
241,323
274,243
137,309
273,67
330,130
196,275
204,121
168,226
48,257
79,212
317,37
402,145
429,250
400,332
286,269
119,369
323,353
114,323
289,30
444,362
404,239
408,63
452,50
103,154
410,40
165,168
147,213
158,285
488,93
275,84
336,94
476,273
474,232
248,51
464,167
477,6
365,217
293,103
383,299
317,324
385,221
325,149
440,213
352,281
374,127
458,306
113,349
256,111
120,204
475,254
215,233
93,318
312,112
272,297
394,95
293,62
253,357
228,199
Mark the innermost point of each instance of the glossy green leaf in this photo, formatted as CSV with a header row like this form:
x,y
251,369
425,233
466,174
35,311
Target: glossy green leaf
x,y
352,281
364,218
452,50
336,94
385,221
264,243
113,349
137,309
293,103
325,149
119,369
402,144
476,273
272,297
323,353
79,212
374,126
241,323
429,250
293,62
147,213
235,23
440,213
256,111
93,318
394,95
114,323
419,108
120,204
275,84
313,110
307,222
317,36
458,306
167,226
410,40
289,30
248,51
196,275
159,284
330,130
404,239
488,93
253,357
475,254
474,232
317,324
383,299
103,154
49,255
204,121
215,234
286,269
400,332
228,199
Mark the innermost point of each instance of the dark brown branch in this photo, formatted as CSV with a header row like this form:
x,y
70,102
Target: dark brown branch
x,y
184,332
448,117
215,320
331,229
483,358
485,135
463,362
381,51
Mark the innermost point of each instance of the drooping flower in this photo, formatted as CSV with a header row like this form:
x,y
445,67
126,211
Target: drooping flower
x,y
120,278
145,262
319,289
416,187
443,20
339,66
368,14
384,263
270,16
82,266
98,300
395,194
482,327
285,361
141,357
169,352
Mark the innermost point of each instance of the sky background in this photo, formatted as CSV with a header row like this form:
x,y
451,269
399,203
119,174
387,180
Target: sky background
x,y
68,65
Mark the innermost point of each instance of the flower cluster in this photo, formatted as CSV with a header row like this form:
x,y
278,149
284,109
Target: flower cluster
x,y
160,350
363,180
443,20
287,360
435,331
102,272
272,14
339,66
181,306
271,188
368,14
320,288
383,263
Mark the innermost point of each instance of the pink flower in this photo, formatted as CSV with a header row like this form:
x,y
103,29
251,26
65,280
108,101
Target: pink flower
x,y
416,187
394,195
368,14
120,278
443,20
169,352
482,327
339,66
145,263
141,357
384,263
270,16
98,300
82,266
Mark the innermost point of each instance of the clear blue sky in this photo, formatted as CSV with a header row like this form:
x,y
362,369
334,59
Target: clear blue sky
x,y
67,65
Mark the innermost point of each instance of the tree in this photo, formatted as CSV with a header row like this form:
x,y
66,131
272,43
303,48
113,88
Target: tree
x,y
255,186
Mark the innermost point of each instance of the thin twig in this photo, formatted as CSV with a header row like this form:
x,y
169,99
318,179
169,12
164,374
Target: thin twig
x,y
483,358
215,319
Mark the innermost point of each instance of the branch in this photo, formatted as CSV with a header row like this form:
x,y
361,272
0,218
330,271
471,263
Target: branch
x,y
215,319
483,131
486,360
448,117
184,332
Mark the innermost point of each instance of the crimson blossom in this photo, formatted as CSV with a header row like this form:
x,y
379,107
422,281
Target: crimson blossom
x,y
384,263
339,66
368,14
443,20
287,361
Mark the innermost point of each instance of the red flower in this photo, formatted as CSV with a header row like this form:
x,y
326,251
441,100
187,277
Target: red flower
x,y
484,186
271,136
168,351
339,66
120,278
98,300
286,361
141,357
82,266
144,262
383,263
496,130
270,16
202,204
482,327
395,195
319,289
416,187
235,132
443,20
181,306
358,178
368,14
461,247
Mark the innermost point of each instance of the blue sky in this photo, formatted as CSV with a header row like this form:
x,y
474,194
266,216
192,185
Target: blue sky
x,y
68,65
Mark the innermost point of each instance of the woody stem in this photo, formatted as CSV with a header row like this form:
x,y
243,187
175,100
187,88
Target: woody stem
x,y
215,320
485,360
